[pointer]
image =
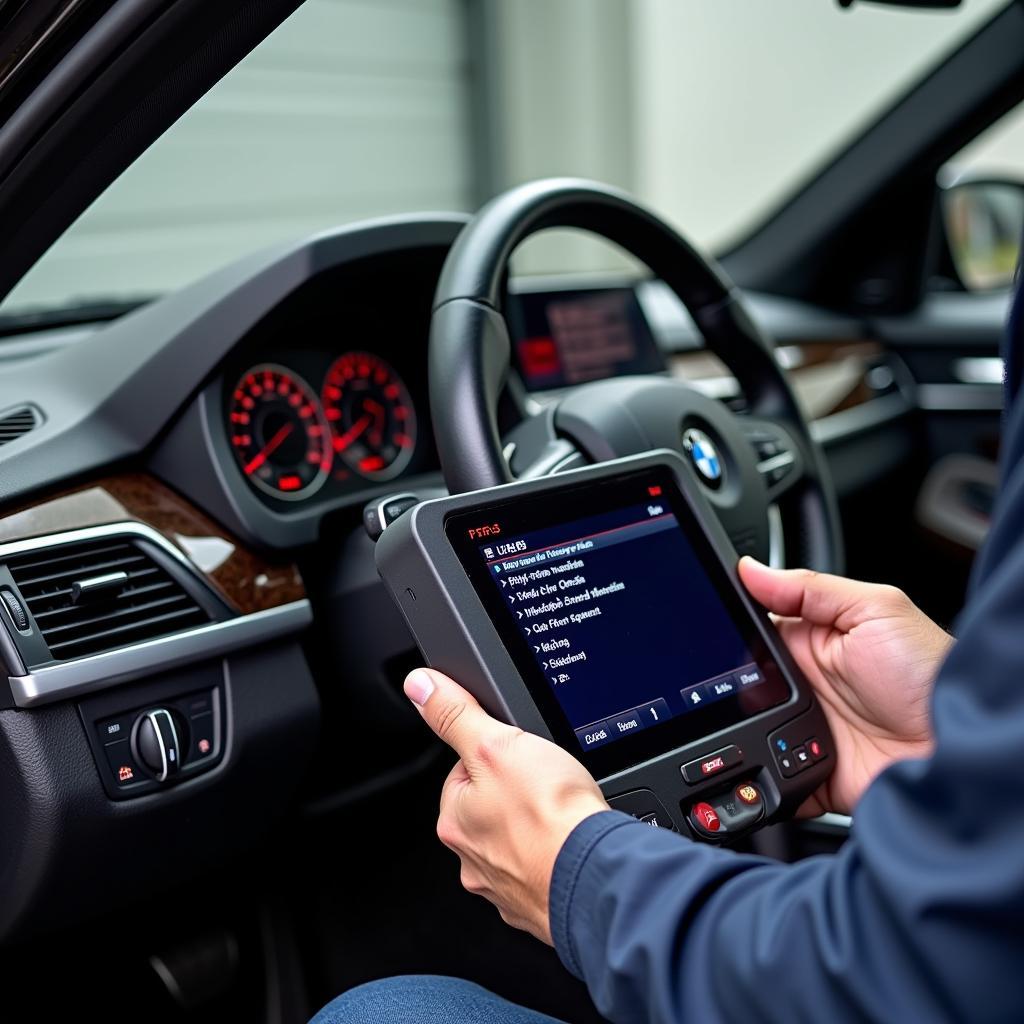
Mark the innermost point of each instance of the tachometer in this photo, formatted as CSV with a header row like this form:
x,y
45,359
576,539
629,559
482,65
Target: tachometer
x,y
371,415
279,434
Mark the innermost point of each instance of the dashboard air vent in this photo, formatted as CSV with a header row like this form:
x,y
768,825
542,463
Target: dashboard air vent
x,y
16,422
101,594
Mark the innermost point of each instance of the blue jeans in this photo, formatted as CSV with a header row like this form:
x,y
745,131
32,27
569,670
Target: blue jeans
x,y
425,999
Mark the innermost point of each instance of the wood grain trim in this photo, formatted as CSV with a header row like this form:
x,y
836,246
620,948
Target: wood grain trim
x,y
827,376
248,581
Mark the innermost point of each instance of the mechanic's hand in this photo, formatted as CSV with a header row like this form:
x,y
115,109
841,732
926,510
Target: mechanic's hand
x,y
871,656
508,805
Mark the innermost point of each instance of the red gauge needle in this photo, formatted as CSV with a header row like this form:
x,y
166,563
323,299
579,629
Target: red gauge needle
x,y
268,449
342,441
377,411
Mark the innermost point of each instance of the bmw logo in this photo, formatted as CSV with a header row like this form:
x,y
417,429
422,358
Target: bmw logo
x,y
702,451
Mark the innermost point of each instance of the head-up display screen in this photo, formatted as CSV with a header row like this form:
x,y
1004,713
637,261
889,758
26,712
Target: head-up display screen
x,y
568,337
619,616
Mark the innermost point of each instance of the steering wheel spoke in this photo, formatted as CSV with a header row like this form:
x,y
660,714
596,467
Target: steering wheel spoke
x,y
534,448
780,461
750,481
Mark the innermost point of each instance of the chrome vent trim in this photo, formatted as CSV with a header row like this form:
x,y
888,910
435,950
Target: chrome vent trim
x,y
74,677
100,594
102,671
18,421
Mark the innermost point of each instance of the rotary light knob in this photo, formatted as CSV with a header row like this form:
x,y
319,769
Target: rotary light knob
x,y
157,744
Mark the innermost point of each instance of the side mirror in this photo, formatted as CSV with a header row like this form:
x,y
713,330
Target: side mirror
x,y
984,224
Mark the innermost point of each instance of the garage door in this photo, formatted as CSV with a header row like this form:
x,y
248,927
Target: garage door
x,y
351,109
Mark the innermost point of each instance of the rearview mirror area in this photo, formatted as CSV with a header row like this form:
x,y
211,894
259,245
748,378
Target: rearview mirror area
x,y
931,4
984,225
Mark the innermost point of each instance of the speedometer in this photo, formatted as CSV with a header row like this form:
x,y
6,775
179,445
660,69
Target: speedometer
x,y
279,434
371,415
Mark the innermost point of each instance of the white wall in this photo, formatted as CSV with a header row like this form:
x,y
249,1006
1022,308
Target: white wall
x,y
351,109
998,151
737,99
709,110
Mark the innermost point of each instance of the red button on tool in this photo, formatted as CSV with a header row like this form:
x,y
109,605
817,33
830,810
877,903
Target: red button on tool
x,y
815,748
707,817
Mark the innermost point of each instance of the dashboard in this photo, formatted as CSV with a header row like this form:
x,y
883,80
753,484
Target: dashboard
x,y
220,444
325,398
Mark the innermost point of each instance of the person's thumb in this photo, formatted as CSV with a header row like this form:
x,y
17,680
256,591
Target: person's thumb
x,y
801,593
452,712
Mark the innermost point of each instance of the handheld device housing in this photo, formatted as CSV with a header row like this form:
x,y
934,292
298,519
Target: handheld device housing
x,y
748,759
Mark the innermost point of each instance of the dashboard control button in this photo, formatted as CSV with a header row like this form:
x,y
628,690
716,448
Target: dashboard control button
x,y
815,749
202,740
112,729
711,764
156,743
705,818
379,515
643,805
123,768
15,609
198,703
802,757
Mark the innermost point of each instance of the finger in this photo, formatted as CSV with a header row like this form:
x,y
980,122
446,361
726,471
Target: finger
x,y
801,593
457,777
448,808
452,712
449,828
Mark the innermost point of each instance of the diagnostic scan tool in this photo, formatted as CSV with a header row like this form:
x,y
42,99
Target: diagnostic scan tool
x,y
601,609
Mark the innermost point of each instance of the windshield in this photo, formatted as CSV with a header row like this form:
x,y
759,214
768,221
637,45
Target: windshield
x,y
712,113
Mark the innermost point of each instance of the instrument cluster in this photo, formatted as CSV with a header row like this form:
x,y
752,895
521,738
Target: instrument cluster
x,y
356,426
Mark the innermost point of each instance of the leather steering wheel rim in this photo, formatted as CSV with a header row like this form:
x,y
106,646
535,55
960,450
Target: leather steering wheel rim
x,y
469,353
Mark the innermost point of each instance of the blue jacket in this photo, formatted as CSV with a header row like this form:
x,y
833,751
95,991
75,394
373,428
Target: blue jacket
x,y
918,918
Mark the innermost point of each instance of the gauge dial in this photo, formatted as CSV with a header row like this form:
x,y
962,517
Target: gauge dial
x,y
371,415
279,434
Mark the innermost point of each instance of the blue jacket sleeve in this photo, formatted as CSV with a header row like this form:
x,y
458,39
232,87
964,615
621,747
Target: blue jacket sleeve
x,y
920,916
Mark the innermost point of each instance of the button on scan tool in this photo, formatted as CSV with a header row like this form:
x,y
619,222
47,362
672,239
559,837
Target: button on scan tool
x,y
749,676
629,722
654,713
594,735
729,814
705,818
644,806
711,764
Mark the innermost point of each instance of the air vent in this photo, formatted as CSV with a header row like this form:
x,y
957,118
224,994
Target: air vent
x,y
102,594
19,421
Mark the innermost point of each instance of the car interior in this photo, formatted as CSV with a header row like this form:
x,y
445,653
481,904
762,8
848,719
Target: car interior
x,y
275,272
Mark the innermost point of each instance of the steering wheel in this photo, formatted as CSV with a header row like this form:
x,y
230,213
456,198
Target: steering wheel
x,y
761,470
